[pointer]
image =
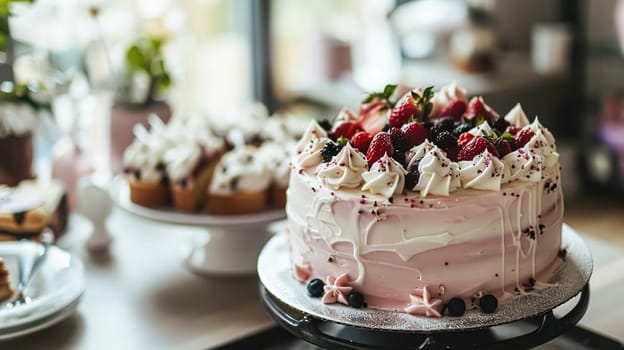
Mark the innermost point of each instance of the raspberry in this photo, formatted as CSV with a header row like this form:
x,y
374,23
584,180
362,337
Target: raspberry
x,y
523,137
361,141
415,133
399,140
380,145
329,151
475,147
455,109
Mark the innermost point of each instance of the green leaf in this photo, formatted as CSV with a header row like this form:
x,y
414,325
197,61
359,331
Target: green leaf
x,y
389,91
342,141
135,59
507,136
480,120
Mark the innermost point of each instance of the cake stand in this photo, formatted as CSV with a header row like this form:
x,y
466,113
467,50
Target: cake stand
x,y
231,244
342,327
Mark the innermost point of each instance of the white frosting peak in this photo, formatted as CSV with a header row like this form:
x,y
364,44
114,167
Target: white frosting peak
x,y
445,96
536,127
314,131
516,117
484,172
523,164
182,160
311,155
484,129
386,177
345,170
438,174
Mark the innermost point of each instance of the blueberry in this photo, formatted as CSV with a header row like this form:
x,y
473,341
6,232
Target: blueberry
x,y
456,307
488,303
315,288
355,299
329,151
446,140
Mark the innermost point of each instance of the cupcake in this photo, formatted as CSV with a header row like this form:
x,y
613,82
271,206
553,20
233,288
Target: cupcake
x,y
146,172
240,183
276,157
22,215
190,166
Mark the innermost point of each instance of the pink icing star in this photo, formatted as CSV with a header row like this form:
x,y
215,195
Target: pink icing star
x,y
303,271
336,289
422,304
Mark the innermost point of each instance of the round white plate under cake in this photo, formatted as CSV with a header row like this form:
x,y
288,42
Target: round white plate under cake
x,y
55,289
233,241
275,271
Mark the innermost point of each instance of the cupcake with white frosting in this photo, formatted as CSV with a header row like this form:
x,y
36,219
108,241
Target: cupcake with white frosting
x,y
240,183
277,159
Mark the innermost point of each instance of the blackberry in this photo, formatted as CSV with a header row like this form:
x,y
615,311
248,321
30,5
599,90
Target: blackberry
x,y
315,288
329,151
325,124
399,140
446,140
399,156
461,128
500,124
412,177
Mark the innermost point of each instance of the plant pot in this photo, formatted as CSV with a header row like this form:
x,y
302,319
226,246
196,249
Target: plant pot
x,y
16,158
123,119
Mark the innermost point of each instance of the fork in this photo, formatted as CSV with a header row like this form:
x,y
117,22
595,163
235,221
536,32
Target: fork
x,y
25,278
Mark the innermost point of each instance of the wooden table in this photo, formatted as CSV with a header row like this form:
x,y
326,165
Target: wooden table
x,y
141,297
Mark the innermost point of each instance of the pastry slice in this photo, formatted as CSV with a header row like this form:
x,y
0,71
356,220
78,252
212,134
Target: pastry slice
x,y
6,292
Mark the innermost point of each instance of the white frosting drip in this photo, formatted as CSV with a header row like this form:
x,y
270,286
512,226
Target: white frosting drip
x,y
241,170
516,117
16,119
182,160
311,155
345,170
484,130
438,174
445,96
386,177
314,131
484,172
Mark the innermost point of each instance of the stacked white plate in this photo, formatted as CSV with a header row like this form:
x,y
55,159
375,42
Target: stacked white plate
x,y
54,290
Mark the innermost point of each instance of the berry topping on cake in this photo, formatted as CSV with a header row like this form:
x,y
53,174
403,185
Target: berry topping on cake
x,y
315,288
477,109
325,124
502,146
380,145
329,151
411,106
399,140
373,113
512,130
475,147
464,139
346,129
455,109
500,124
415,133
355,299
446,141
488,303
361,140
412,177
461,128
456,307
523,137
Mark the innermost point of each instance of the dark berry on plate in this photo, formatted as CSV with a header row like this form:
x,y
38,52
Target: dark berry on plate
x,y
380,145
502,146
412,177
455,109
399,140
461,128
361,141
355,299
315,288
500,124
456,307
325,124
446,140
329,151
488,303
415,133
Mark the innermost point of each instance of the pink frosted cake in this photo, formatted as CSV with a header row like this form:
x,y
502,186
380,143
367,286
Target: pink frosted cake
x,y
430,205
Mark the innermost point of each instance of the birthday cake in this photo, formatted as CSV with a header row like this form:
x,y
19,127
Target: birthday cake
x,y
430,205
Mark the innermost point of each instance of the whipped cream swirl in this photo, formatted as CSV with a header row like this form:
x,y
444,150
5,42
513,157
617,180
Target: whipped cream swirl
x,y
484,172
446,95
313,132
311,155
523,164
484,129
277,157
438,174
345,169
241,170
182,160
516,117
386,177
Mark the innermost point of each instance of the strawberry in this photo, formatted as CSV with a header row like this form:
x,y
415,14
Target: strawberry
x,y
475,147
380,145
375,118
399,140
415,133
410,107
502,146
346,129
478,109
464,139
513,130
523,137
455,109
361,141
373,100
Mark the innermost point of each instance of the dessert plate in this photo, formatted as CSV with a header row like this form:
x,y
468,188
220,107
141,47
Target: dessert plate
x,y
55,287
274,270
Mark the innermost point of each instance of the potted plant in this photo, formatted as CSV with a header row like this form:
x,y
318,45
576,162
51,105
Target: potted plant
x,y
144,82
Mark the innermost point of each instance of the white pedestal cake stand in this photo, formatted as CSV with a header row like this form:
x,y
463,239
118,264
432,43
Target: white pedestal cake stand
x,y
233,242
